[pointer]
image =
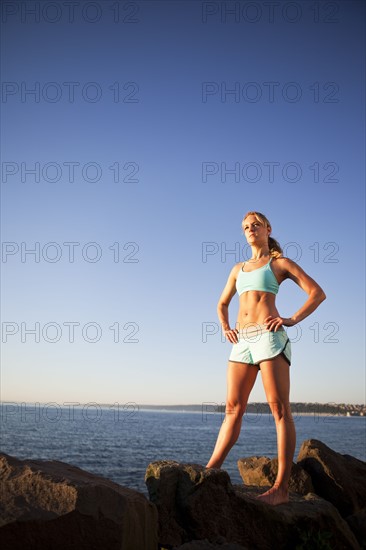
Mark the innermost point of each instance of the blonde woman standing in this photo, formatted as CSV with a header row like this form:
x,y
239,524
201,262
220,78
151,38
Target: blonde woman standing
x,y
261,343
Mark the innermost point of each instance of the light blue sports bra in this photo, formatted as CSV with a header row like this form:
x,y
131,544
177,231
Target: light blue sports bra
x,y
261,278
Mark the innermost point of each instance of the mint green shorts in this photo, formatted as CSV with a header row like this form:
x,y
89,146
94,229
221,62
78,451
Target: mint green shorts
x,y
257,344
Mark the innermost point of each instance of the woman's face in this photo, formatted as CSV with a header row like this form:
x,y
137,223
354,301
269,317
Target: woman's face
x,y
255,231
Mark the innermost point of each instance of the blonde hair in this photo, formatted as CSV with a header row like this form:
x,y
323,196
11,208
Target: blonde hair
x,y
275,249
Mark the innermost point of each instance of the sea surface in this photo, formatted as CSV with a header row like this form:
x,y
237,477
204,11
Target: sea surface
x,y
119,443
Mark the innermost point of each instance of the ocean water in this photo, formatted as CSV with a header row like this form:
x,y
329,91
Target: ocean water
x,y
120,443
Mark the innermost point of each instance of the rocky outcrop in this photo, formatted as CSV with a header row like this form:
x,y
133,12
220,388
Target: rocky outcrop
x,y
357,523
207,545
50,505
197,504
341,479
262,471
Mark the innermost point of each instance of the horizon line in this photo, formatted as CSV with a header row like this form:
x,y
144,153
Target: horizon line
x,y
130,403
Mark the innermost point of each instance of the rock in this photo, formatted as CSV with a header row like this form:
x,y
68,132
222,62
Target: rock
x,y
200,504
341,479
51,505
206,545
262,471
357,523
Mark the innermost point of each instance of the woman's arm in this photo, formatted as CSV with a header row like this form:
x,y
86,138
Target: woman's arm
x,y
223,315
223,305
315,293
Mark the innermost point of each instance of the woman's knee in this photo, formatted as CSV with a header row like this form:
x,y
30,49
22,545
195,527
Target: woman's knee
x,y
281,410
235,409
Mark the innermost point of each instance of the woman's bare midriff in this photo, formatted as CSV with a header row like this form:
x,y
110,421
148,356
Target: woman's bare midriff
x,y
254,307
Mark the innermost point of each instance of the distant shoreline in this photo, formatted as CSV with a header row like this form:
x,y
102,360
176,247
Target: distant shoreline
x,y
294,413
206,408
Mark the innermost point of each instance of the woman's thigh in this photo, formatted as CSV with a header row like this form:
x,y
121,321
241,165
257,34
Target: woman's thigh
x,y
276,379
240,381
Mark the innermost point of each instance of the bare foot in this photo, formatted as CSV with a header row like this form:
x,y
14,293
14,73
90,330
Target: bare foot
x,y
274,496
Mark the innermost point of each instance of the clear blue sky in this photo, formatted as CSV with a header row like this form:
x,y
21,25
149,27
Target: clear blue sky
x,y
150,93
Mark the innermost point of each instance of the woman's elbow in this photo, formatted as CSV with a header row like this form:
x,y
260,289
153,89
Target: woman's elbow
x,y
321,295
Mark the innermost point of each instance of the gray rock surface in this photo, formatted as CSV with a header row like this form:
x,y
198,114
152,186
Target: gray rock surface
x,y
206,545
340,479
51,505
198,504
262,471
357,523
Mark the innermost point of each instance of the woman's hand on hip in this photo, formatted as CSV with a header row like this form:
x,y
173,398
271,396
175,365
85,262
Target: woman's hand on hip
x,y
274,323
232,335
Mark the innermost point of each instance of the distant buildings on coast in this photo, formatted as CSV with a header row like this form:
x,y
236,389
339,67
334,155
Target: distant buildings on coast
x,y
354,410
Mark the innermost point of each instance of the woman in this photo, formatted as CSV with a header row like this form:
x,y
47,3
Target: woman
x,y
261,343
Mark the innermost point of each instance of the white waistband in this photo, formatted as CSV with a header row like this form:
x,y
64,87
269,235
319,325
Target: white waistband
x,y
255,328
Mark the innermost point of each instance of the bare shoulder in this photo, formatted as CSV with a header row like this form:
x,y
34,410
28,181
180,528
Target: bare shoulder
x,y
236,268
284,268
233,274
283,265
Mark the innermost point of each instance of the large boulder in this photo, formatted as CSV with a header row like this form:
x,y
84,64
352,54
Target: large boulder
x,y
51,505
340,479
262,471
357,523
206,545
200,504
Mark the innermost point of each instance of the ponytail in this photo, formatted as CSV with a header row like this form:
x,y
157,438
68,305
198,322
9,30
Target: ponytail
x,y
275,249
